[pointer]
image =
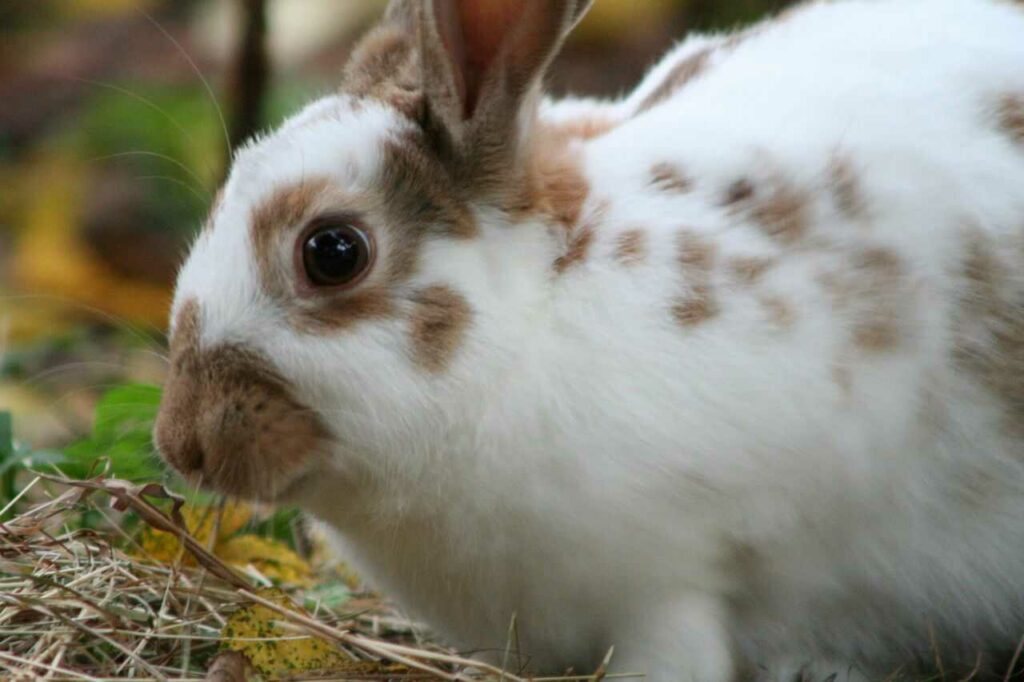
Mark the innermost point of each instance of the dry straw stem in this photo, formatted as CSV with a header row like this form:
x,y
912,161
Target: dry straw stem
x,y
85,604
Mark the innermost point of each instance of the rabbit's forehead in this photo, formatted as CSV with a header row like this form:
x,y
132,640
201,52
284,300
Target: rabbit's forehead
x,y
336,139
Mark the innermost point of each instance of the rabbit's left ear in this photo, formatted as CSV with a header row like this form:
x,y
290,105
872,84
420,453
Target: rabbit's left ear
x,y
482,63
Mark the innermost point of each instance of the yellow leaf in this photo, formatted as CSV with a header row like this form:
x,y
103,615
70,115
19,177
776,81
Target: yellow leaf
x,y
50,258
275,650
270,557
200,521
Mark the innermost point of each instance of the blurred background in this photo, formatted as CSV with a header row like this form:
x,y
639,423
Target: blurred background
x,y
116,117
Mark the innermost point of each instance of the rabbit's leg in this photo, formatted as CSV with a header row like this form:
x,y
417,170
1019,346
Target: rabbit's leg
x,y
680,640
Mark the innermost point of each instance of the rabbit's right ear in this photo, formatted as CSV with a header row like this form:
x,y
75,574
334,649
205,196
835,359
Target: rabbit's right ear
x,y
469,73
482,64
480,54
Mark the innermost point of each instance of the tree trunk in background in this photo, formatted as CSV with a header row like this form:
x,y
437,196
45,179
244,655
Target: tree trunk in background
x,y
250,72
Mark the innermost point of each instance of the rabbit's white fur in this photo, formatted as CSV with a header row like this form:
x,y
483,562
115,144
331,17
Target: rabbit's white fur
x,y
755,489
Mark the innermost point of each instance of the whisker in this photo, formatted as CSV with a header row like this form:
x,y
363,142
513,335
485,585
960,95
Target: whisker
x,y
116,320
66,367
170,159
204,198
199,74
143,100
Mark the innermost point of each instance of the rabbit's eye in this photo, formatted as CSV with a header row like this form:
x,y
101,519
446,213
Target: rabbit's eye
x,y
336,252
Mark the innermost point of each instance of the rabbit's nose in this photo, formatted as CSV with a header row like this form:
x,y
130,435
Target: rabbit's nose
x,y
176,440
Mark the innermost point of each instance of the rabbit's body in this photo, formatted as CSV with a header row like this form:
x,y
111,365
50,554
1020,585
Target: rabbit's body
x,y
742,386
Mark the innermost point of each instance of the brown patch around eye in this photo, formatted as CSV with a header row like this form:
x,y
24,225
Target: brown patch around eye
x,y
274,227
363,304
438,326
279,215
846,188
681,74
669,178
631,247
1011,116
748,270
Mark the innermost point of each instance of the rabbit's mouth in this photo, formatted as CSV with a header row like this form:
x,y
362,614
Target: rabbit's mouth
x,y
229,421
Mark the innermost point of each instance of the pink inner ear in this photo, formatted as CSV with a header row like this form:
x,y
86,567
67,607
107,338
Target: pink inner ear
x,y
474,32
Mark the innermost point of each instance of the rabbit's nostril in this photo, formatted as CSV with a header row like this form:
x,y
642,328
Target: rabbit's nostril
x,y
191,459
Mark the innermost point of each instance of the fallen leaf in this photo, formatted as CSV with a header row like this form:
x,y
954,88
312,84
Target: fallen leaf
x,y
273,649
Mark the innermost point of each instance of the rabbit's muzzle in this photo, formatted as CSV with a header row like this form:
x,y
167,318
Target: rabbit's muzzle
x,y
229,421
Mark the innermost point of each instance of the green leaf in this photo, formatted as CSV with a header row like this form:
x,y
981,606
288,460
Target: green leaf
x,y
6,437
8,471
121,435
329,595
126,410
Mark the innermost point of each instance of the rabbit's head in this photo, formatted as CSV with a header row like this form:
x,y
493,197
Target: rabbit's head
x,y
363,261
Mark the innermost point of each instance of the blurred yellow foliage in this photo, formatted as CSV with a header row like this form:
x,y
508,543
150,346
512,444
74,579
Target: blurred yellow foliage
x,y
51,259
605,20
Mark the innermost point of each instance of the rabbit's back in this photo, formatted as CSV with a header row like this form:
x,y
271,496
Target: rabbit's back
x,y
815,231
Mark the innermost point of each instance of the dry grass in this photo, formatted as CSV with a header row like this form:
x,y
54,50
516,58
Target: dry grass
x,y
86,605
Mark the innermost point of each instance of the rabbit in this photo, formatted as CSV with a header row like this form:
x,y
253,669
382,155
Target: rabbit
x,y
727,374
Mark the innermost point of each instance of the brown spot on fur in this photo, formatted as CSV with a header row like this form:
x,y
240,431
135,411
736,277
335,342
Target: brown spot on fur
x,y
990,320
438,326
668,178
682,73
584,127
846,189
579,247
697,306
696,255
779,312
748,270
843,378
227,415
631,247
783,214
1011,116
557,186
878,323
739,191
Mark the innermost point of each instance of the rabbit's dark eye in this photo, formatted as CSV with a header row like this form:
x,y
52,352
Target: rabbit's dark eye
x,y
336,252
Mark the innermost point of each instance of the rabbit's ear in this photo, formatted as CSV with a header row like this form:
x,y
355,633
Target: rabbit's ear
x,y
482,60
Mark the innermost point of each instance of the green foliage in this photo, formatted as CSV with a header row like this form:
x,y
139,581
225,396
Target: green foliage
x,y
121,435
7,459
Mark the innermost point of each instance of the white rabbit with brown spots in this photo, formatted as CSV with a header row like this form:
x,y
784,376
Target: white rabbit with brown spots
x,y
728,373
